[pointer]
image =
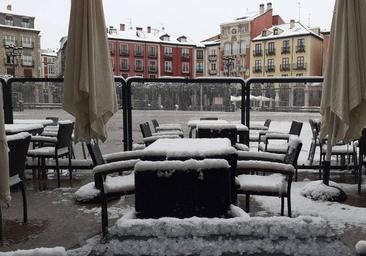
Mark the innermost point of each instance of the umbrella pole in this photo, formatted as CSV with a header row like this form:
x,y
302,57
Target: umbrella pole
x,y
326,164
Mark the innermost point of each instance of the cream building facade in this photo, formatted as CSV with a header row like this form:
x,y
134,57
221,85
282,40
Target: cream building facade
x,y
290,49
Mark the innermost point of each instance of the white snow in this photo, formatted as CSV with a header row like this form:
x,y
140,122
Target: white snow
x,y
190,147
361,247
32,121
56,251
275,183
123,155
157,137
17,136
195,123
317,190
262,156
265,166
116,166
241,147
47,151
87,192
191,164
15,128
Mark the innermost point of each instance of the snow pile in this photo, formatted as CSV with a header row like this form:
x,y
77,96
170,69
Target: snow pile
x,y
361,247
317,190
56,251
86,193
204,236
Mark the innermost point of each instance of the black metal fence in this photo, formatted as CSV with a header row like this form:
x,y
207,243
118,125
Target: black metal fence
x,y
142,98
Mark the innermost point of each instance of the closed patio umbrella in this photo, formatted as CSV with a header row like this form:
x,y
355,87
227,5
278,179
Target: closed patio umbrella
x,y
89,91
4,162
343,105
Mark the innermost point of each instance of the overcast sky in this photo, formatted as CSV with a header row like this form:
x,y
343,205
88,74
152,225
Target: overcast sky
x,y
197,19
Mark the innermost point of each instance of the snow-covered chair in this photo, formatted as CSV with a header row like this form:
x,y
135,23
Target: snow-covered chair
x,y
18,146
264,139
259,130
276,184
165,127
104,185
149,137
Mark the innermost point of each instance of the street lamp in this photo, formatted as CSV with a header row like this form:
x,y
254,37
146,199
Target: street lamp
x,y
12,52
228,62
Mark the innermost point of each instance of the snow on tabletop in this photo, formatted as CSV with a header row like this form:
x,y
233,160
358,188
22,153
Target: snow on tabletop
x,y
275,183
65,122
361,247
119,165
33,121
18,136
261,155
13,128
190,147
187,165
194,123
317,190
56,251
215,126
265,165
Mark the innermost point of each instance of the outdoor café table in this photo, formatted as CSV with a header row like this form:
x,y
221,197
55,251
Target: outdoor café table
x,y
43,122
242,130
17,128
216,187
192,124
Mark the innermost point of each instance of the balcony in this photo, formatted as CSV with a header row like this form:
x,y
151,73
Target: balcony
x,y
257,69
199,71
300,48
257,53
285,49
271,51
212,72
125,67
152,55
212,58
139,54
185,56
270,68
125,53
8,63
6,42
29,45
299,66
168,55
28,63
285,67
153,69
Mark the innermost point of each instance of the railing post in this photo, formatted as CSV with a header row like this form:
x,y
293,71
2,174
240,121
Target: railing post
x,y
7,100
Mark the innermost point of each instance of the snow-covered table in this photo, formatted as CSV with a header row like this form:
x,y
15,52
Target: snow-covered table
x,y
43,122
217,130
192,124
17,128
207,192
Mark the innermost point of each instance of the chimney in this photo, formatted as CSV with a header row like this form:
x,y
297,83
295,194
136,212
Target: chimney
x,y
261,9
148,29
292,23
122,27
8,7
269,6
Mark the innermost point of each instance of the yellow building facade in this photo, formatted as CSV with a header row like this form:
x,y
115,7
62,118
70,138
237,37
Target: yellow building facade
x,y
289,49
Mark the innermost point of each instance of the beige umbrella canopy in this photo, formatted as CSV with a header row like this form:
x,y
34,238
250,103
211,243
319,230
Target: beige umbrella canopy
x,y
89,91
4,162
343,105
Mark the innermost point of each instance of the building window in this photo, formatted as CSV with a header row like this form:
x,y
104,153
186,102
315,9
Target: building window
x,y
213,51
152,76
270,65
124,50
27,41
51,69
152,66
271,48
185,67
213,66
185,53
111,48
227,49
236,48
300,61
300,47
10,40
152,51
285,64
258,66
139,65
124,64
199,67
285,46
27,60
9,21
275,31
168,52
243,47
168,66
258,49
26,23
199,54
139,51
